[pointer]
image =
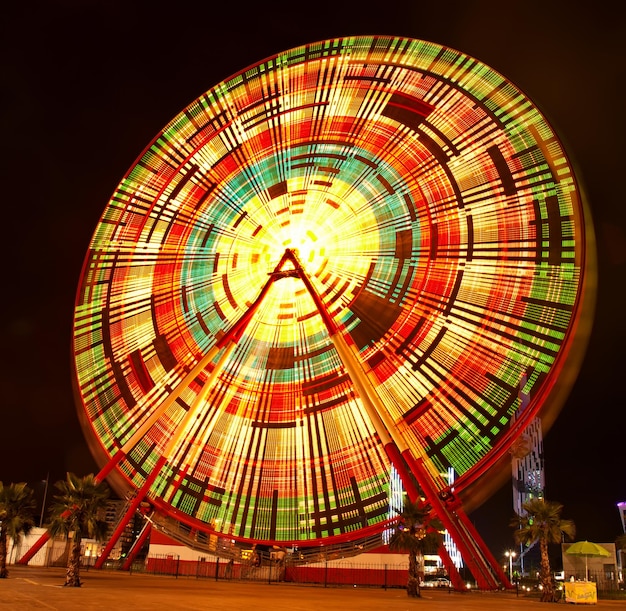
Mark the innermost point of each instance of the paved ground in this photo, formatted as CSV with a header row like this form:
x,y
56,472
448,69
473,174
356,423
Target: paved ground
x,y
32,588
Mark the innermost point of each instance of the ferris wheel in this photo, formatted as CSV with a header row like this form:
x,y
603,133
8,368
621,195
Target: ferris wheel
x,y
342,259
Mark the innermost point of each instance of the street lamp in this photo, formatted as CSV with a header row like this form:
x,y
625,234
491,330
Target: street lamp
x,y
45,494
510,554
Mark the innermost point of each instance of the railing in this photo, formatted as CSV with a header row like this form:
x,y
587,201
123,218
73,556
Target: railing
x,y
313,568
226,548
325,574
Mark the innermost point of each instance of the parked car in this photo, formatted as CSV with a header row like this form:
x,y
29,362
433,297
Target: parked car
x,y
439,582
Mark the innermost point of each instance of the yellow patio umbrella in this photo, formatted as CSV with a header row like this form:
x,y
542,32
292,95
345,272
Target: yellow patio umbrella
x,y
587,549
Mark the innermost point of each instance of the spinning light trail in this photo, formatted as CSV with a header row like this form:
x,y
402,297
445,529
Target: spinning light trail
x,y
440,223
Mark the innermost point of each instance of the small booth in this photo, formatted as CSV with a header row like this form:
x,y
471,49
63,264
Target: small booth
x,y
581,592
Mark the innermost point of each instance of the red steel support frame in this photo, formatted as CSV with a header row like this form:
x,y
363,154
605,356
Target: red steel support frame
x,y
226,342
480,561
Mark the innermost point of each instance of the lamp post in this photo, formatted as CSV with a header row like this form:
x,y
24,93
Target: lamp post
x,y
43,504
510,554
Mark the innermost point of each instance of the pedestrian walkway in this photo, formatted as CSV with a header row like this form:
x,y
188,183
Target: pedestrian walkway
x,y
32,588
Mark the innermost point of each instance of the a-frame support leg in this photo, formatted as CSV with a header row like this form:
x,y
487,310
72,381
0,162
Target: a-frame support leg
x,y
483,566
472,548
130,512
232,336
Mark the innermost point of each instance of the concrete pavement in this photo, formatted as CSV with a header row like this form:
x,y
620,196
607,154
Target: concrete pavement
x,y
33,588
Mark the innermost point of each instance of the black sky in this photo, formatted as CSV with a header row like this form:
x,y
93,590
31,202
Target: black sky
x,y
87,84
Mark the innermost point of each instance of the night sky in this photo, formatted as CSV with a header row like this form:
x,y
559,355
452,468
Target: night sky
x,y
87,84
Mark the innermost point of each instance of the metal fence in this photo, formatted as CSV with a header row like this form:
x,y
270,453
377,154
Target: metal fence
x,y
326,574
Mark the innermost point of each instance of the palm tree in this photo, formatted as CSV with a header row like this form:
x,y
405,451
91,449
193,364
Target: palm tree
x,y
416,533
17,504
79,509
542,523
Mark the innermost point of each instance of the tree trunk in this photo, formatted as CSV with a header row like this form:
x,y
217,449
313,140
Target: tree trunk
x,y
72,575
547,594
413,583
4,573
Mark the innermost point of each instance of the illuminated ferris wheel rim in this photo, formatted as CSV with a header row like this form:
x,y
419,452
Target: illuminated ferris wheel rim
x,y
391,221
